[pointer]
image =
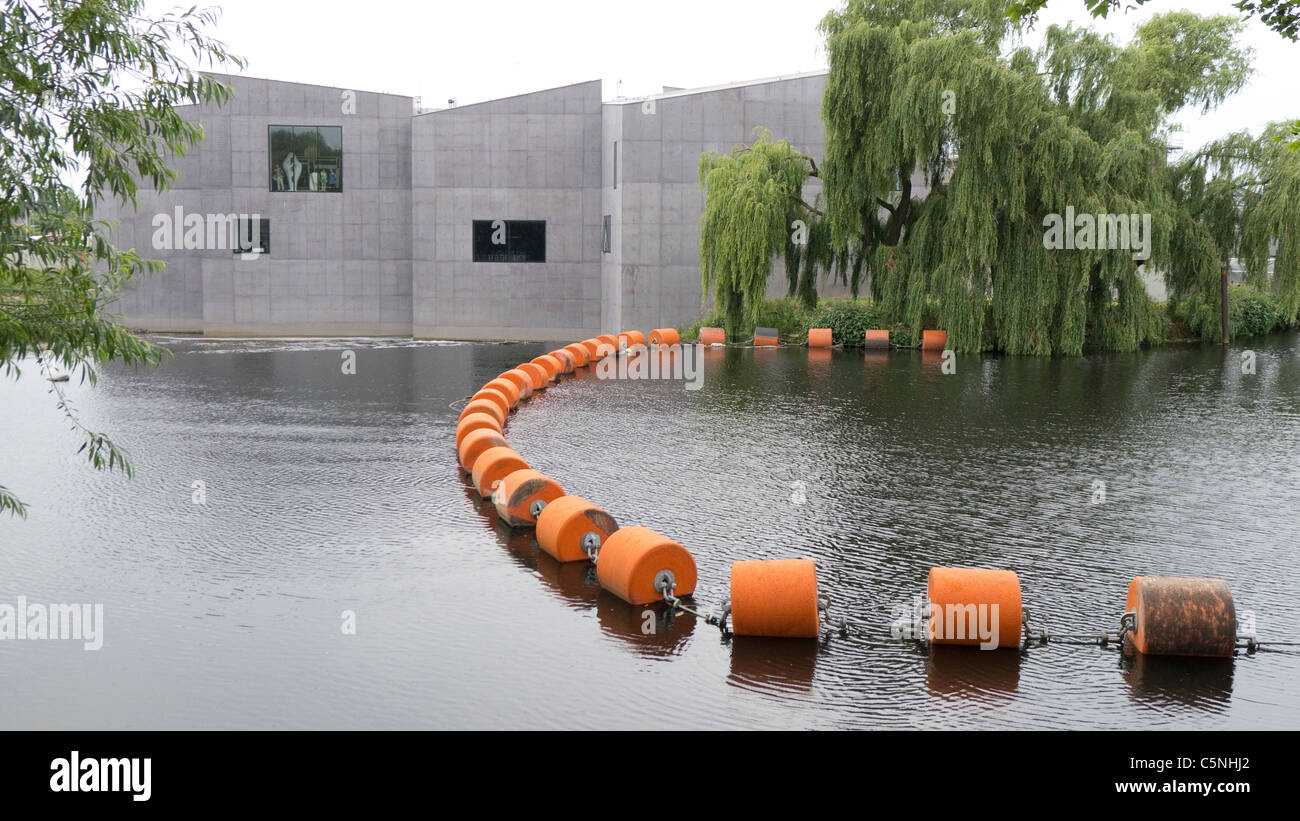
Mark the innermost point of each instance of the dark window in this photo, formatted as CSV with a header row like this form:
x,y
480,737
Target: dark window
x,y
616,163
509,240
607,236
252,236
306,158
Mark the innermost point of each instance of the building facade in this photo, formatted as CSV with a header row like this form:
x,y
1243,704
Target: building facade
x,y
318,211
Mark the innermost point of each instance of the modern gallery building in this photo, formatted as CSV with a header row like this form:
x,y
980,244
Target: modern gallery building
x,y
310,210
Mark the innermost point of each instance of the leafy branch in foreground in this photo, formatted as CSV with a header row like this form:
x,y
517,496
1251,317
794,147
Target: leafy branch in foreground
x,y
87,89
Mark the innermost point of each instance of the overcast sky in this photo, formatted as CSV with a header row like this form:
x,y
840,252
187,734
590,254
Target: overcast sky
x,y
475,51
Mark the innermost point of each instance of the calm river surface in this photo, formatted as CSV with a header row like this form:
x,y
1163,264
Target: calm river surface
x,y
328,493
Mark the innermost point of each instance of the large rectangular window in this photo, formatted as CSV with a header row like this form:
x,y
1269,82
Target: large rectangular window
x,y
306,158
509,240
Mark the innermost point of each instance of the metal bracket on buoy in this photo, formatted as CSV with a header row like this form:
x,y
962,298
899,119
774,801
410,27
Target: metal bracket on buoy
x,y
591,545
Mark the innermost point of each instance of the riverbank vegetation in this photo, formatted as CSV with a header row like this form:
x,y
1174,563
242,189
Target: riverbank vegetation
x,y
950,159
1252,311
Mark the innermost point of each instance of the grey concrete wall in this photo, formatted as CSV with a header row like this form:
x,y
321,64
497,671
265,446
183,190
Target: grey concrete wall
x,y
532,157
657,281
340,263
393,253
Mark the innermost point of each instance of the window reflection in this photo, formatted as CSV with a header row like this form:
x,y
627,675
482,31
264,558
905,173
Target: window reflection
x,y
306,157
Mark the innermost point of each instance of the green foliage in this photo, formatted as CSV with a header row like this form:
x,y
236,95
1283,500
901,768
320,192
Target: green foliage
x,y
1254,312
848,319
1237,197
85,88
752,198
998,142
788,315
1283,16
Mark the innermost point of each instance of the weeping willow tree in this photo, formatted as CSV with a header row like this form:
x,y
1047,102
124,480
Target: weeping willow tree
x,y
1237,197
946,158
752,212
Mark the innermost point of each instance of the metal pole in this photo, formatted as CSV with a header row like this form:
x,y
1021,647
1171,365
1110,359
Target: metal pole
x,y
1223,292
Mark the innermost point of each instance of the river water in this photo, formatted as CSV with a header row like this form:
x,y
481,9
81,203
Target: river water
x,y
333,498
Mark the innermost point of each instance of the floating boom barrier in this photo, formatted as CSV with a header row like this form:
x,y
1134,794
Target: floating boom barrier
x,y
781,598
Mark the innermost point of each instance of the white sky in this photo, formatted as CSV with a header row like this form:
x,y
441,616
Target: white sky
x,y
485,49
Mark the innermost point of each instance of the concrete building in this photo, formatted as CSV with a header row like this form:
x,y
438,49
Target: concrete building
x,y
551,215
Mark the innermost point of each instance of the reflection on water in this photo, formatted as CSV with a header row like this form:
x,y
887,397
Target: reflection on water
x,y
775,665
970,671
329,492
1170,683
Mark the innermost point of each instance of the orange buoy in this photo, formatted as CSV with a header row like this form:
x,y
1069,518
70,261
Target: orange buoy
x,y
665,336
1182,616
766,338
610,340
878,338
934,340
508,387
521,379
713,336
483,406
595,349
819,337
473,422
540,378
493,465
631,340
496,397
635,560
775,598
570,525
522,495
579,354
566,357
974,607
474,443
552,365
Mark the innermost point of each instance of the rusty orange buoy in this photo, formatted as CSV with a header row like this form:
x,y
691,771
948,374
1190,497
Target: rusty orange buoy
x,y
878,338
934,340
473,422
508,387
483,406
566,357
553,366
1182,616
775,598
665,336
495,397
522,495
819,337
474,443
597,349
579,354
540,378
974,607
631,340
522,380
637,562
766,338
712,336
493,465
570,526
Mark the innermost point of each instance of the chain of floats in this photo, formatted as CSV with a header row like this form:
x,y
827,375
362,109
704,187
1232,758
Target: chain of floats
x,y
917,629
